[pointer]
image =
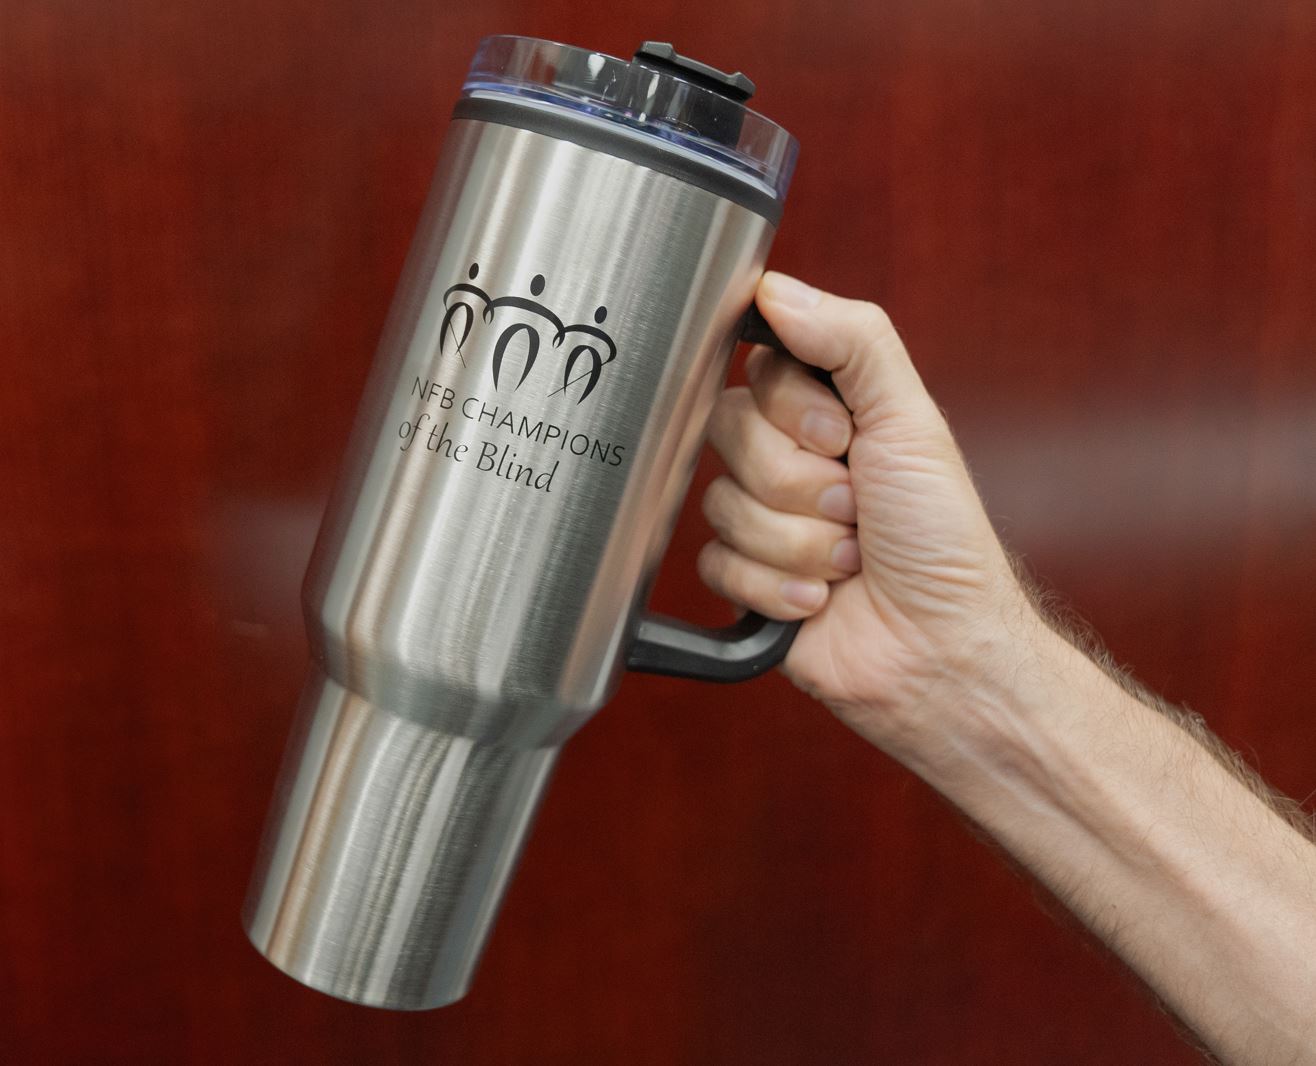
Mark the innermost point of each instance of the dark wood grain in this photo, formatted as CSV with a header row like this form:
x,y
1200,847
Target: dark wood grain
x,y
1095,226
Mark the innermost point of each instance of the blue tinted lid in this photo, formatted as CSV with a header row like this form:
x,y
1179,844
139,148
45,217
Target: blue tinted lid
x,y
684,104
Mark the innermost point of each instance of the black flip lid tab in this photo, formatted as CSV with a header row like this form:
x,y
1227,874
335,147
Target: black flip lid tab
x,y
717,115
695,115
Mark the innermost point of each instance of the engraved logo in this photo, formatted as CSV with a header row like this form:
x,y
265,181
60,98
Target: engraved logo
x,y
588,349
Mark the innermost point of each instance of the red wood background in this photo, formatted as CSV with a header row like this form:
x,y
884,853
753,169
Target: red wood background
x,y
1095,225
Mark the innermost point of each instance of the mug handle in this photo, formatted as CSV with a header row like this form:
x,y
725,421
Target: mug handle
x,y
743,650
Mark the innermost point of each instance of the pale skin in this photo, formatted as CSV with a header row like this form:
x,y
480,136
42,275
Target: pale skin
x,y
919,636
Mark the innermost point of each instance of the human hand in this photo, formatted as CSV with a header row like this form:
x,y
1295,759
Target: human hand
x,y
892,560
918,635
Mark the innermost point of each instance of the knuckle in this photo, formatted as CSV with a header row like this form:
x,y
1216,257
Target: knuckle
x,y
758,358
771,370
874,331
728,414
711,565
723,571
777,484
717,502
776,386
873,319
800,546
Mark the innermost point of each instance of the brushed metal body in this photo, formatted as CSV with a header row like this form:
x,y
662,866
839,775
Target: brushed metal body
x,y
463,625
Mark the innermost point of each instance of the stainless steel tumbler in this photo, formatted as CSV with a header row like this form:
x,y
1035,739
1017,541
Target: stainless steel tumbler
x,y
583,269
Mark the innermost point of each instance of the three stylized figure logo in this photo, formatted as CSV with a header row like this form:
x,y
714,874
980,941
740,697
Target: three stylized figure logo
x,y
589,350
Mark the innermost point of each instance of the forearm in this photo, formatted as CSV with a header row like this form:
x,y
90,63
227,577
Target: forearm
x,y
1201,887
919,637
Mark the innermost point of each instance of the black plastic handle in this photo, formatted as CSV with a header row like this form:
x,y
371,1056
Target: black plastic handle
x,y
738,652
750,647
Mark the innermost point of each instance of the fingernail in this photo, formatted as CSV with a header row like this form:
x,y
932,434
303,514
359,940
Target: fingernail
x,y
807,595
845,556
825,431
789,291
837,503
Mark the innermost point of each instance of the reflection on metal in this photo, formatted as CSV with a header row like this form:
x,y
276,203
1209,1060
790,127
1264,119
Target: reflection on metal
x,y
467,616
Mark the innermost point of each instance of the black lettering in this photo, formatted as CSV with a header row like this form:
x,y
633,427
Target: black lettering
x,y
427,390
544,480
439,441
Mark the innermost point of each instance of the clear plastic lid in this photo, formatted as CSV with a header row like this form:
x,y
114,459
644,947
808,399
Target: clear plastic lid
x,y
686,104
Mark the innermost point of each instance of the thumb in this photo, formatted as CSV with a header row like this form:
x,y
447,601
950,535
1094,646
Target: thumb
x,y
854,341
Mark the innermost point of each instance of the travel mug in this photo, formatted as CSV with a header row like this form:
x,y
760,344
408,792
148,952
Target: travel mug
x,y
582,271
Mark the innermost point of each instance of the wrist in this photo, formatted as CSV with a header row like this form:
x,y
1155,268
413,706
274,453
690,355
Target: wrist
x,y
1003,709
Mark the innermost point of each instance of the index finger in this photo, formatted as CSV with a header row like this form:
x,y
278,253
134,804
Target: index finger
x,y
798,404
